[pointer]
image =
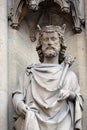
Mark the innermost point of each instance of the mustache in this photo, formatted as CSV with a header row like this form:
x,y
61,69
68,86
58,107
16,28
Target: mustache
x,y
51,47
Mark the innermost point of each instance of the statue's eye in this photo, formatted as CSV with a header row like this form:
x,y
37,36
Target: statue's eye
x,y
53,38
46,39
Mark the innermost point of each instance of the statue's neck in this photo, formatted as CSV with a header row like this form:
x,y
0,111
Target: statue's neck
x,y
52,60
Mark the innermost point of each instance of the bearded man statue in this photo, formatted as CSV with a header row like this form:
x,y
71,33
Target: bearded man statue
x,y
39,100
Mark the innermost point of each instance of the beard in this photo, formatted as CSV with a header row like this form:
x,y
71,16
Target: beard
x,y
50,52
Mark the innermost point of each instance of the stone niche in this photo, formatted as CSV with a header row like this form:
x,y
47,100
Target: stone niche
x,y
22,40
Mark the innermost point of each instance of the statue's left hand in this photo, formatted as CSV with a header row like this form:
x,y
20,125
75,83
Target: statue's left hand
x,y
22,108
66,94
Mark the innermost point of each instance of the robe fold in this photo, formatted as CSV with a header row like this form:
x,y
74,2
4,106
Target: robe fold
x,y
39,89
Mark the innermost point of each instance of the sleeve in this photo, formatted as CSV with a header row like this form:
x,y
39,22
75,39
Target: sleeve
x,y
18,96
78,104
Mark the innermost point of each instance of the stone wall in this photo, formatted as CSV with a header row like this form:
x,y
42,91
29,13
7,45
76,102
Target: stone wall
x,y
21,54
3,66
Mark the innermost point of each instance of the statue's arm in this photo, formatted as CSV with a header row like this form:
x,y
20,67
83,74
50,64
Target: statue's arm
x,y
70,87
72,96
78,103
74,88
18,97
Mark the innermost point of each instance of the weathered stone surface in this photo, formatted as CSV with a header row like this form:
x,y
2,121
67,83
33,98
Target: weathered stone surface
x,y
3,66
3,109
41,99
70,10
21,52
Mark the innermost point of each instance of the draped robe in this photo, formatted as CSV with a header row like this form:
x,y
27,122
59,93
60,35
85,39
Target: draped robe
x,y
39,87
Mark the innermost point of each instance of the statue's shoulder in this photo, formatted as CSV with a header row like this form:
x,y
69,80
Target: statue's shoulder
x,y
42,67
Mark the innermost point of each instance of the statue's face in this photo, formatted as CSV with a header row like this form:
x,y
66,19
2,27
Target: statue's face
x,y
50,44
33,4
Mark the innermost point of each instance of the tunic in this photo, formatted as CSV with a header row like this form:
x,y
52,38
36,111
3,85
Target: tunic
x,y
39,87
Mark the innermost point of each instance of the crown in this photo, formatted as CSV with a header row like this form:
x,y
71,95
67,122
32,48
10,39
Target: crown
x,y
53,28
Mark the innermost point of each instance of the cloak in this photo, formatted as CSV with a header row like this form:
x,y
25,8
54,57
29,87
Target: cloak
x,y
39,89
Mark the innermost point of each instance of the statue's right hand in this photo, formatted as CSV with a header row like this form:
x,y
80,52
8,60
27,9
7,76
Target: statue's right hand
x,y
22,108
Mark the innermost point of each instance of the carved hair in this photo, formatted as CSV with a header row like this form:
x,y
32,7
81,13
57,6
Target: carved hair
x,y
49,29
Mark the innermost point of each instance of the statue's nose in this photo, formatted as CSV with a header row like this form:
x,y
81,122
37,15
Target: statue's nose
x,y
50,42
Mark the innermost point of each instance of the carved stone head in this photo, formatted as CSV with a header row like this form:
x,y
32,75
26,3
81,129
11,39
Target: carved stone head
x,y
51,42
33,4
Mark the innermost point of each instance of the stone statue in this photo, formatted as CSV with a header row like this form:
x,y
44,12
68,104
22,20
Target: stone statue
x,y
77,10
41,101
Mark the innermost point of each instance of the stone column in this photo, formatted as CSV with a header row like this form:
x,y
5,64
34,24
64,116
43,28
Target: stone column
x,y
84,87
82,66
82,69
3,65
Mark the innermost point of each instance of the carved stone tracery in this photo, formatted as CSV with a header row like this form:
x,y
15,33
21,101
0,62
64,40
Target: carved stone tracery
x,y
73,9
